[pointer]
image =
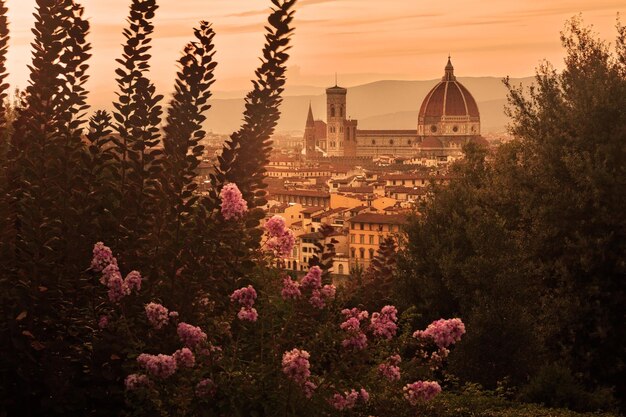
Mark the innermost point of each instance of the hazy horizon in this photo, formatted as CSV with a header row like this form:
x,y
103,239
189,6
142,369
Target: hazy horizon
x,y
394,40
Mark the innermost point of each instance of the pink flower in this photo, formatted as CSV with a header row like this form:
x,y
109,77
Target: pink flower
x,y
275,226
349,399
103,323
158,316
159,366
421,391
355,312
233,204
109,272
185,358
443,332
102,257
205,388
383,324
117,288
245,296
282,245
355,339
135,381
173,314
296,365
248,314
390,370
190,335
291,289
328,291
313,279
316,299
133,281
309,389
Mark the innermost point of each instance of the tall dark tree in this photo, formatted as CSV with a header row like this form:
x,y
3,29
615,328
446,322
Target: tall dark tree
x,y
247,151
4,45
137,117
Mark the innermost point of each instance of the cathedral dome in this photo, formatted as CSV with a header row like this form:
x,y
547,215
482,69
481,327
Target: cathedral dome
x,y
449,109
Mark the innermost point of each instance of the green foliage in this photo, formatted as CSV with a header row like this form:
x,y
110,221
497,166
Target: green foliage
x,y
529,247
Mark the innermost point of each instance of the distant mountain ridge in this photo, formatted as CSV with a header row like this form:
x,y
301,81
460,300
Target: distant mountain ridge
x,y
386,104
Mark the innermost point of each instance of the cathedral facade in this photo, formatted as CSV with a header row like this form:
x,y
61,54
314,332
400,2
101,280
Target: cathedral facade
x,y
448,118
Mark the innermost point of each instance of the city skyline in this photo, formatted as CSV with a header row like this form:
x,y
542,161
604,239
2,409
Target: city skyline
x,y
403,40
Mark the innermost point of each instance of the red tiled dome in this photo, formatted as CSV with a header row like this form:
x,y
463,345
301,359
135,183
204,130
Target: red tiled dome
x,y
449,98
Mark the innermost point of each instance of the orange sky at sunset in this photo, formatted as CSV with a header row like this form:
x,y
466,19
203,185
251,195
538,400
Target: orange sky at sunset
x,y
363,40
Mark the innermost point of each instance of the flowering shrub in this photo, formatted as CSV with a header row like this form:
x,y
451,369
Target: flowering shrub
x,y
203,357
281,240
233,205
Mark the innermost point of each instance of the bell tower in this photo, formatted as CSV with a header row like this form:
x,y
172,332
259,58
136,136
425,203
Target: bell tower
x,y
335,119
309,135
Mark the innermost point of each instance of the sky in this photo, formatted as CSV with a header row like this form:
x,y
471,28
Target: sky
x,y
360,40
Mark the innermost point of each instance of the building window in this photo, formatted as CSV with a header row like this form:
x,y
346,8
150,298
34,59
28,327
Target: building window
x,y
361,239
433,128
340,111
352,252
361,253
373,141
455,129
371,239
371,253
361,226
352,238
332,111
391,141
340,269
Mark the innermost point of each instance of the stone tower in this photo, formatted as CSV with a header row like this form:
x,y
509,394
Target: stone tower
x,y
309,135
341,133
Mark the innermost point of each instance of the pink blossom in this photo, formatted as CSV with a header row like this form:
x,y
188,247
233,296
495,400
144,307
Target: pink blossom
x,y
102,257
316,299
355,339
348,400
328,292
159,366
313,279
135,381
103,323
158,315
421,391
117,288
443,332
309,389
190,335
244,296
291,289
185,358
233,204
205,388
109,272
383,324
275,226
282,245
296,365
173,314
355,312
390,370
365,396
248,314
133,281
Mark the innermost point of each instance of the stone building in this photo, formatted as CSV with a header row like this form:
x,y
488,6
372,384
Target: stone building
x,y
448,118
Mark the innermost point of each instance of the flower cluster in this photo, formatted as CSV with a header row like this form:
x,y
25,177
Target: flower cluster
x,y
443,332
390,369
103,261
281,239
246,297
291,289
233,204
348,399
159,366
184,358
205,388
135,381
158,316
421,391
383,324
191,336
296,365
356,338
102,257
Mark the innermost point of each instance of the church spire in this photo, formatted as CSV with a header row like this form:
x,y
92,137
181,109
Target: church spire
x,y
449,74
309,120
